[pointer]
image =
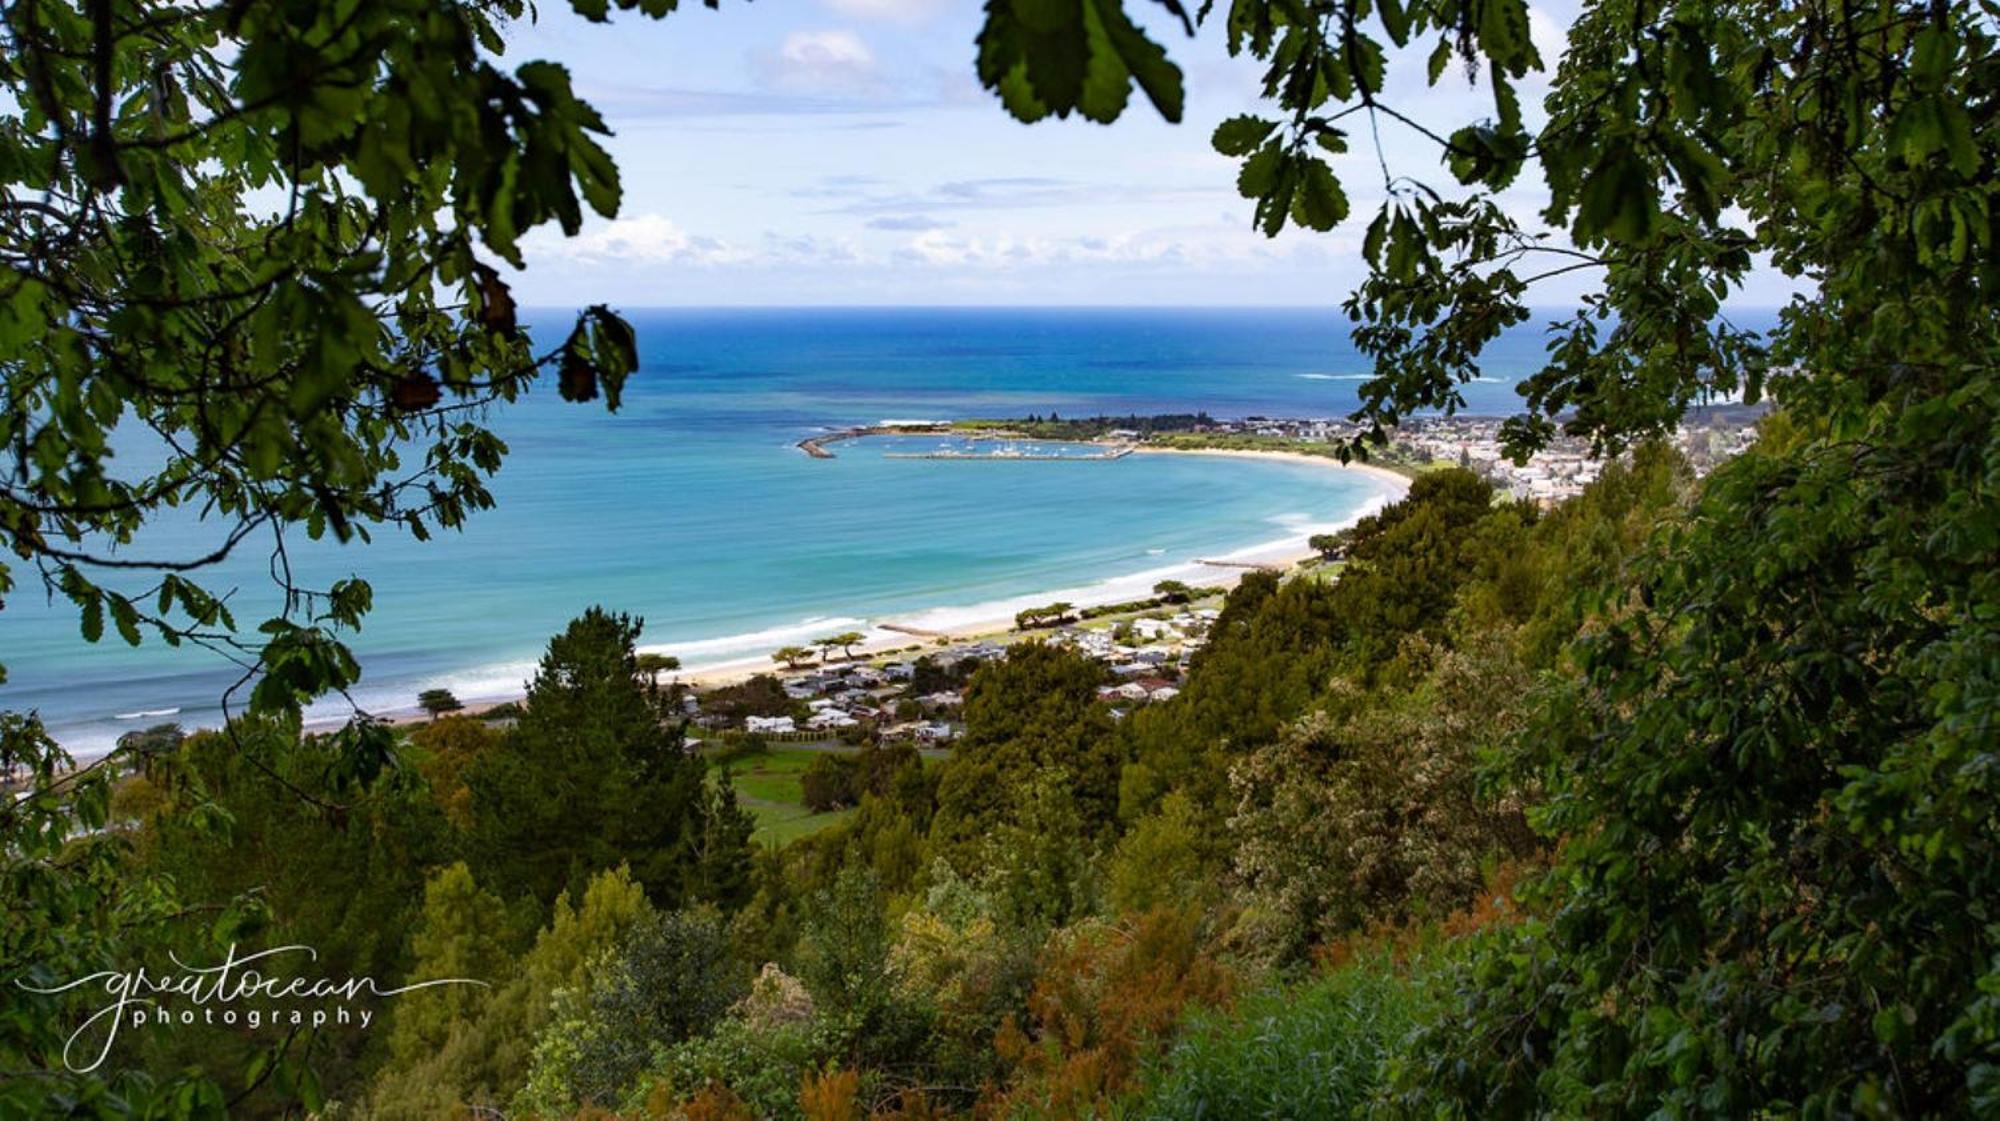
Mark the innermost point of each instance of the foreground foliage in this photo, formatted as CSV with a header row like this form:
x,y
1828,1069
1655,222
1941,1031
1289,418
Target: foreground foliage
x,y
1318,1049
1747,724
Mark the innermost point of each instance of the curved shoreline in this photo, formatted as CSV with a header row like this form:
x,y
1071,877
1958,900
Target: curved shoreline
x,y
1396,479
991,619
964,624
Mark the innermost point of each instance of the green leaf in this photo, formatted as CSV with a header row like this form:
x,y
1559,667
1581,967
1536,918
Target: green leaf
x,y
1618,200
93,618
1371,243
126,618
1146,60
1395,20
1956,126
1259,175
1319,202
1440,58
1240,135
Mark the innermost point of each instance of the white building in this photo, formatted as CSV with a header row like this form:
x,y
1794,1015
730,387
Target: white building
x,y
1154,629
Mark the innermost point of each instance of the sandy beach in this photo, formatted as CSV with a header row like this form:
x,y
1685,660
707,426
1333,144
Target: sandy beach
x,y
1395,479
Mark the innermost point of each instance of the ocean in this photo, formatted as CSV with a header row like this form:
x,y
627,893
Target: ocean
x,y
693,509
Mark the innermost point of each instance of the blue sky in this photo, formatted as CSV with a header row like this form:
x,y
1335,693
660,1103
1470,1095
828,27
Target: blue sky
x,y
842,152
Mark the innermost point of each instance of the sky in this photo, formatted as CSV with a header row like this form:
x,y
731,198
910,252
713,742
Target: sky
x,y
809,152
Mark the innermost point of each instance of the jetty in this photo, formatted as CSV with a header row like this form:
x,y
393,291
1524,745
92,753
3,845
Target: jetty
x,y
819,446
918,632
816,446
1253,565
1012,453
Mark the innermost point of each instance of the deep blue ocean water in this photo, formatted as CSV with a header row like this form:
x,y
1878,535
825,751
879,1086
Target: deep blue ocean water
x,y
692,508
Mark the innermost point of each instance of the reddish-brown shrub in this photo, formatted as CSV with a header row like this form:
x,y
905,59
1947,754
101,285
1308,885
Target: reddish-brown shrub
x,y
832,1095
1105,990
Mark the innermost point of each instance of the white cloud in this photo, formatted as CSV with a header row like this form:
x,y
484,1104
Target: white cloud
x,y
1177,247
808,249
907,222
895,11
833,61
647,242
644,239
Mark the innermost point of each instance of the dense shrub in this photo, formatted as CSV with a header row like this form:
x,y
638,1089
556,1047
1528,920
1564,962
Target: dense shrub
x,y
757,1065
762,695
1316,1051
669,979
829,782
1369,811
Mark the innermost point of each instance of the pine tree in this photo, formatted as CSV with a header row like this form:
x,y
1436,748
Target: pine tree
x,y
720,873
592,776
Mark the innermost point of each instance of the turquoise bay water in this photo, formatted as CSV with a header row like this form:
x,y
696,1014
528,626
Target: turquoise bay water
x,y
692,508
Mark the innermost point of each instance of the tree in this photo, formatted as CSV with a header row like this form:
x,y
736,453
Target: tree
x,y
1035,710
237,845
486,1058
69,925
1173,591
461,933
792,656
1038,861
653,665
1165,859
1329,546
1270,652
323,199
445,752
762,695
844,642
159,739
1368,813
845,963
1408,561
829,782
722,859
591,776
1053,614
437,702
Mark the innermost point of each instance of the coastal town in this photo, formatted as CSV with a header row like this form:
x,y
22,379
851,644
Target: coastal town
x,y
915,694
1706,436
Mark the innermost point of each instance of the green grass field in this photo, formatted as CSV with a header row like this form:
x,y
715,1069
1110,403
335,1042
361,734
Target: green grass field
x,y
768,786
781,825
